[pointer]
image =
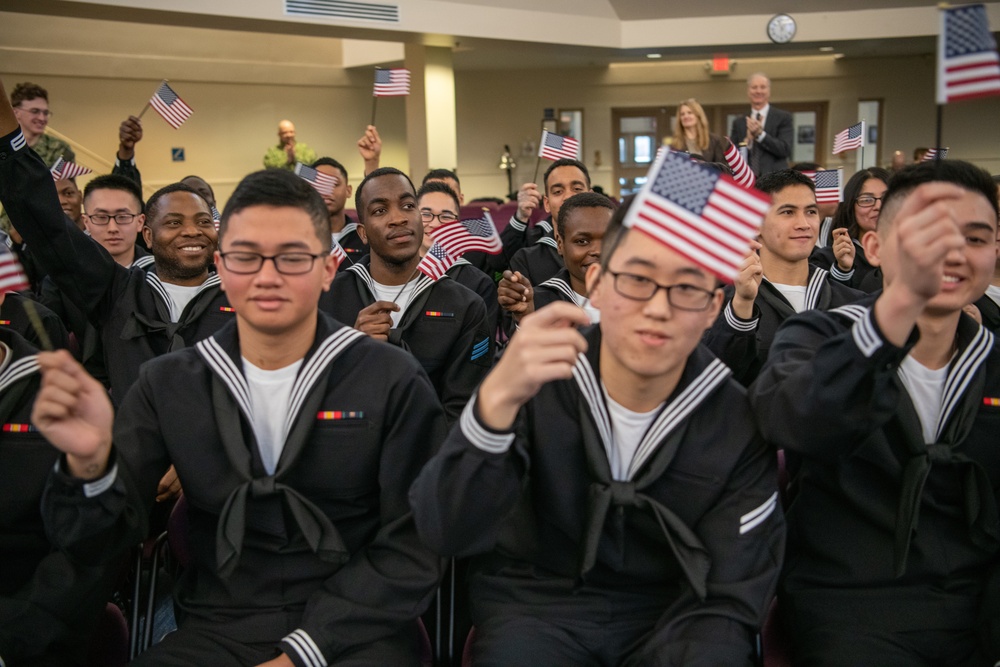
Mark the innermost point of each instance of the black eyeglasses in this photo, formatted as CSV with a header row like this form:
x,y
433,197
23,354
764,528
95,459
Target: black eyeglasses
x,y
101,219
867,201
288,263
444,216
681,296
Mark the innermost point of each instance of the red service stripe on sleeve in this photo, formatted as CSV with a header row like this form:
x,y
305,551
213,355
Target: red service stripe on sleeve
x,y
18,428
338,415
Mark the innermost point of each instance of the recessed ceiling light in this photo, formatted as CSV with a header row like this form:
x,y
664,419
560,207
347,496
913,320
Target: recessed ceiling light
x,y
654,56
826,48
838,56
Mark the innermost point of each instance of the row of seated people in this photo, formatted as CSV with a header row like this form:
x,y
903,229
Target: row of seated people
x,y
613,484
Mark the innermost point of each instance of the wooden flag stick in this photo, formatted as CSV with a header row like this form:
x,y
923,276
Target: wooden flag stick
x,y
374,107
403,288
938,144
36,324
538,163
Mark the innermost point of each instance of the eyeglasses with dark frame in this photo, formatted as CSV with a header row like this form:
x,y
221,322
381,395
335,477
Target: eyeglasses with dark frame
x,y
867,201
681,296
101,219
444,216
287,263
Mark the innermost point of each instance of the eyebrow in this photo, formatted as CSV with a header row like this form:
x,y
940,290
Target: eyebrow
x,y
290,245
972,226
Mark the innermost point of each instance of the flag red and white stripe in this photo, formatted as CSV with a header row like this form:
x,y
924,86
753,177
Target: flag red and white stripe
x,y
12,276
436,262
968,64
829,185
742,173
932,154
392,82
849,139
338,253
699,213
169,105
556,147
63,169
462,236
322,183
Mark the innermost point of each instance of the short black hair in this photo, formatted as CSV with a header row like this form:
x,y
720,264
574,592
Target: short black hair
x,y
844,216
564,162
616,232
210,189
581,200
330,162
441,174
438,186
777,181
378,173
115,182
958,172
152,204
806,166
277,187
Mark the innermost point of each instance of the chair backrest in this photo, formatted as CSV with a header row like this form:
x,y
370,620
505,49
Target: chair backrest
x,y
179,532
110,647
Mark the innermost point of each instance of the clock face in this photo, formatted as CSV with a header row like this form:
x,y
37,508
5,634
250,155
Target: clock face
x,y
781,29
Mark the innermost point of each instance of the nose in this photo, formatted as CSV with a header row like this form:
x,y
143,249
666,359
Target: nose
x,y
658,308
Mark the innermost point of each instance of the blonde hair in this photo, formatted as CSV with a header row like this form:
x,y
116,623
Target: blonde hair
x,y
679,141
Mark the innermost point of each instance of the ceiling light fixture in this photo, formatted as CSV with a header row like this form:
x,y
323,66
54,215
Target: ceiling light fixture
x,y
654,56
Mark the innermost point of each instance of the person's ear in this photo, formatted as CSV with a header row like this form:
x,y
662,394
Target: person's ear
x,y
872,244
147,236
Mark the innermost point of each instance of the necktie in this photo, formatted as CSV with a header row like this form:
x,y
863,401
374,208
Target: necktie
x,y
755,153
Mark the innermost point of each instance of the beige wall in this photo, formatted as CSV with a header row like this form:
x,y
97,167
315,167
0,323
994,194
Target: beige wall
x,y
506,107
234,123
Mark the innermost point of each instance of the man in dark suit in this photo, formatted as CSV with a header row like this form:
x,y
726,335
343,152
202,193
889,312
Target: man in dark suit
x,y
767,131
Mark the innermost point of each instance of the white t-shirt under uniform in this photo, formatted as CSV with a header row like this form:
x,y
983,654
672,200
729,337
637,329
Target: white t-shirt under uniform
x,y
392,293
796,295
270,395
180,297
926,390
627,431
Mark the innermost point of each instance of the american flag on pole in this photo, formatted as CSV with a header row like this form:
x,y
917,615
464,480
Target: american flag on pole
x,y
829,185
170,106
556,146
968,65
932,154
12,276
392,82
849,139
462,236
699,213
742,173
216,216
436,262
63,169
322,183
338,253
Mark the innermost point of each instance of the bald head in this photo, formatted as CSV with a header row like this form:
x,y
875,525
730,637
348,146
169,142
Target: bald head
x,y
759,90
286,132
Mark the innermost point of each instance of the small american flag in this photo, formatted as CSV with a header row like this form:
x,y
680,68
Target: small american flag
x,y
849,139
436,262
932,154
829,185
170,106
968,65
699,213
462,236
322,183
556,146
338,253
392,82
742,173
216,217
12,276
63,169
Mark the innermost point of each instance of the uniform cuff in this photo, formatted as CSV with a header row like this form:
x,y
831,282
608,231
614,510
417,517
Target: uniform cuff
x,y
15,140
92,488
517,224
131,161
840,275
866,334
302,650
738,323
480,435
